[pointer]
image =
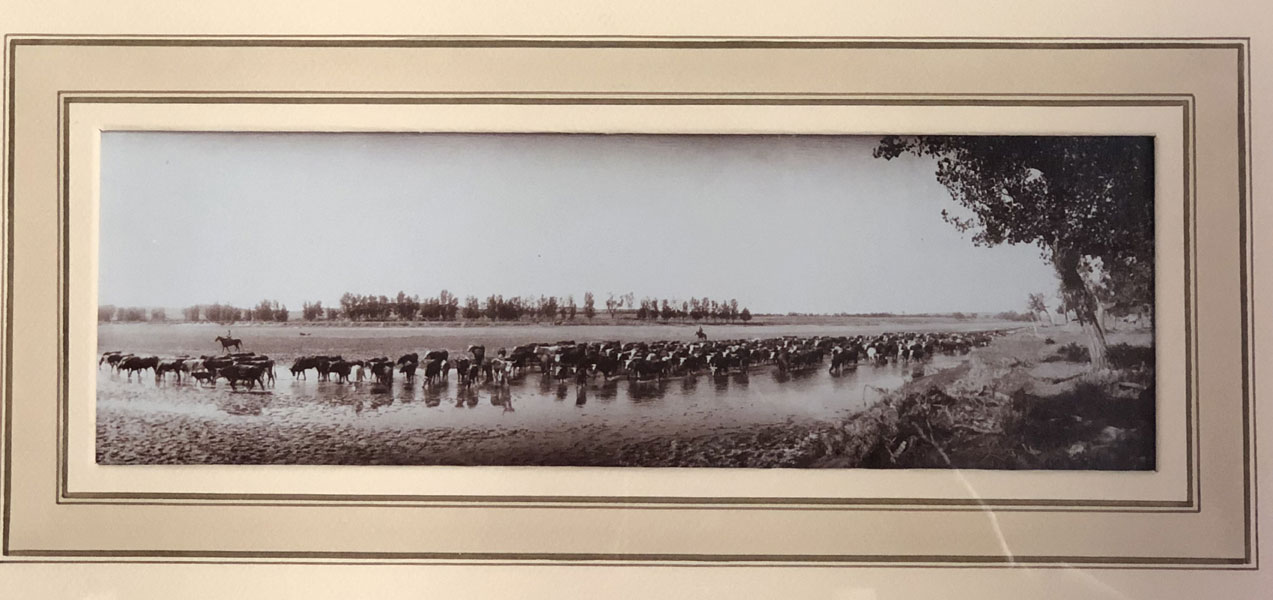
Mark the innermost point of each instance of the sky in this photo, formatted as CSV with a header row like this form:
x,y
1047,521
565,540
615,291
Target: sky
x,y
781,223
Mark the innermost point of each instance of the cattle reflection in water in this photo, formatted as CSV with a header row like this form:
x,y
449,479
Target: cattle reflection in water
x,y
607,391
760,395
642,391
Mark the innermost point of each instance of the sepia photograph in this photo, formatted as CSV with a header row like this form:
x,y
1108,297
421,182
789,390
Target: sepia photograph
x,y
627,300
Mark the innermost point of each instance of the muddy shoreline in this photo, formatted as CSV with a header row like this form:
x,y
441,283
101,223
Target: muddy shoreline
x,y
999,408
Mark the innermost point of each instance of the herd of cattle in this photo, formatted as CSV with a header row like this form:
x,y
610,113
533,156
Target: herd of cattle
x,y
566,360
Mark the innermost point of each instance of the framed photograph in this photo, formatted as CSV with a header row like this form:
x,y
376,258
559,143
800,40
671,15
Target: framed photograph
x,y
662,302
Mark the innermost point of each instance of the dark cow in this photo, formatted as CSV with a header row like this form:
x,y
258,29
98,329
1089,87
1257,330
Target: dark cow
x,y
302,364
324,366
262,361
408,358
137,364
106,358
437,355
382,370
408,369
641,368
462,370
252,375
843,357
479,354
433,371
169,366
204,376
341,369
114,360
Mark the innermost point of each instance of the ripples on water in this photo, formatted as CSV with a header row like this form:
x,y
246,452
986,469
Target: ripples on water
x,y
760,396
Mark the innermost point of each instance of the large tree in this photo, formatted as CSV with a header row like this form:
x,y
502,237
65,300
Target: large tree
x,y
1079,199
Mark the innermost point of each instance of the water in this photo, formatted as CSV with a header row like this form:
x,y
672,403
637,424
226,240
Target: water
x,y
532,420
761,395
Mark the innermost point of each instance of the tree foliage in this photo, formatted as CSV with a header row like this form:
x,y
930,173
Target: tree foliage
x,y
1078,199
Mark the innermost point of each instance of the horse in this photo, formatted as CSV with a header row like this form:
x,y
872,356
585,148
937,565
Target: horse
x,y
229,342
699,334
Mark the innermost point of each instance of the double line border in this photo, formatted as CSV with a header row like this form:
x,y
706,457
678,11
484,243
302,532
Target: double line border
x,y
67,99
1185,103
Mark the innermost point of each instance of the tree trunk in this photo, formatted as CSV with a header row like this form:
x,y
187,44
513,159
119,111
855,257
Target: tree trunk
x,y
1085,304
1096,347
1105,317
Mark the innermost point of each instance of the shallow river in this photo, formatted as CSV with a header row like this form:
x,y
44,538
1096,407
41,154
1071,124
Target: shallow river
x,y
532,420
759,396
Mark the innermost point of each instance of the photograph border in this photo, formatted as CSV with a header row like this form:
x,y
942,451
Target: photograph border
x,y
68,98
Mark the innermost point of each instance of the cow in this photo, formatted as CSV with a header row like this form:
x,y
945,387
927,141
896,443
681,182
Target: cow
x,y
603,365
843,357
169,366
342,369
114,360
408,369
408,358
107,358
433,370
203,376
382,371
437,355
479,354
262,361
137,364
462,370
501,369
302,364
252,375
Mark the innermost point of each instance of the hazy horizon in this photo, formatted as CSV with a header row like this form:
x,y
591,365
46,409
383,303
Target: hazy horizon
x,y
806,224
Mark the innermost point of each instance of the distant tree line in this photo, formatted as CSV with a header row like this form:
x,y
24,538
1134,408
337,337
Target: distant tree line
x,y
1012,315
266,310
446,306
696,309
128,314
